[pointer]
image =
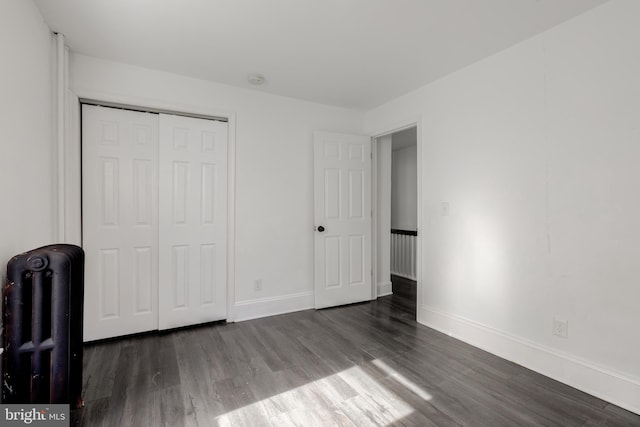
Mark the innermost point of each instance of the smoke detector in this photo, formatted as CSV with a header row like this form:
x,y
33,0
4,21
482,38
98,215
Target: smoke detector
x,y
255,79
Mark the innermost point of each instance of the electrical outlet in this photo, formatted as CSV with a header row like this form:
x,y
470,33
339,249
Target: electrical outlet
x,y
561,328
257,285
444,208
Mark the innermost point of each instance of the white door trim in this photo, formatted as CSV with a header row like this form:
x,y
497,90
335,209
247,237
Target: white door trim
x,y
70,185
415,121
374,218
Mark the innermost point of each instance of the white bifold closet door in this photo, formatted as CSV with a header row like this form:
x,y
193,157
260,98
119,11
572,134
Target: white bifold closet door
x,y
154,221
193,220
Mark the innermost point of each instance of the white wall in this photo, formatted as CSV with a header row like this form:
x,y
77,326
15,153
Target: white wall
x,y
274,172
383,215
26,130
537,150
404,188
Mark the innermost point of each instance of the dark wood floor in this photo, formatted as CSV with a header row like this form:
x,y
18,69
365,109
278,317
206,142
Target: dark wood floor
x,y
361,365
405,294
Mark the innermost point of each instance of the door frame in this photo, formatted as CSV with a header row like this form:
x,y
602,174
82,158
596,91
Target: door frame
x,y
415,121
69,227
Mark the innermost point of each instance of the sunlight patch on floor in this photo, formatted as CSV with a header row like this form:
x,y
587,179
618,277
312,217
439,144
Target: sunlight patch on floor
x,y
404,381
319,402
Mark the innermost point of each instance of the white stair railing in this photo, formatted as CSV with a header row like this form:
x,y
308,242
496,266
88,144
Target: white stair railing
x,y
403,253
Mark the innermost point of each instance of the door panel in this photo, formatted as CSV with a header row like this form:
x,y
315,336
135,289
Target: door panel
x,y
193,221
342,192
120,221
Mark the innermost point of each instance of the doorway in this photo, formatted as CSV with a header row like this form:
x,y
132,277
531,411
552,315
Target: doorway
x,y
396,230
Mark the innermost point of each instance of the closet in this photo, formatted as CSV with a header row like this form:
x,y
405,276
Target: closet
x,y
154,216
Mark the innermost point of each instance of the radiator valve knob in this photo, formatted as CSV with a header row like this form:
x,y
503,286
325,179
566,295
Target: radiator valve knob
x,y
37,263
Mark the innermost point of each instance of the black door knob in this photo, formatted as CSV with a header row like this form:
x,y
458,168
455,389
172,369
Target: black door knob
x,y
321,229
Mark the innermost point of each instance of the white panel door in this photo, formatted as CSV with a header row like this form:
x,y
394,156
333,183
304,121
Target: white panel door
x,y
193,221
342,192
120,221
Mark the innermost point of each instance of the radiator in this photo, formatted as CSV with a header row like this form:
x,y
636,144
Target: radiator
x,y
43,309
403,253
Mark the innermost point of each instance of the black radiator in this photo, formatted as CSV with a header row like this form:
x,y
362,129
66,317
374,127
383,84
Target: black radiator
x,y
43,309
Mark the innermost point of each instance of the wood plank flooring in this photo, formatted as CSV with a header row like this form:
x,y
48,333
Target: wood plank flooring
x,y
367,364
405,294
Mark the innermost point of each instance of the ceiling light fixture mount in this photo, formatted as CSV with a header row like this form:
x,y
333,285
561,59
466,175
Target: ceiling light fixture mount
x,y
256,79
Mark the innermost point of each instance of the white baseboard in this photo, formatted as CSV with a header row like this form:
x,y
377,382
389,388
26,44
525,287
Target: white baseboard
x,y
384,288
614,387
263,307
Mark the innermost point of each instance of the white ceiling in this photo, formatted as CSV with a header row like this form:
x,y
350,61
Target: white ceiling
x,y
351,53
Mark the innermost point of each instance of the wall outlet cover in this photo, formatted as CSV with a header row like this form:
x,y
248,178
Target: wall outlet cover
x,y
561,328
444,208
